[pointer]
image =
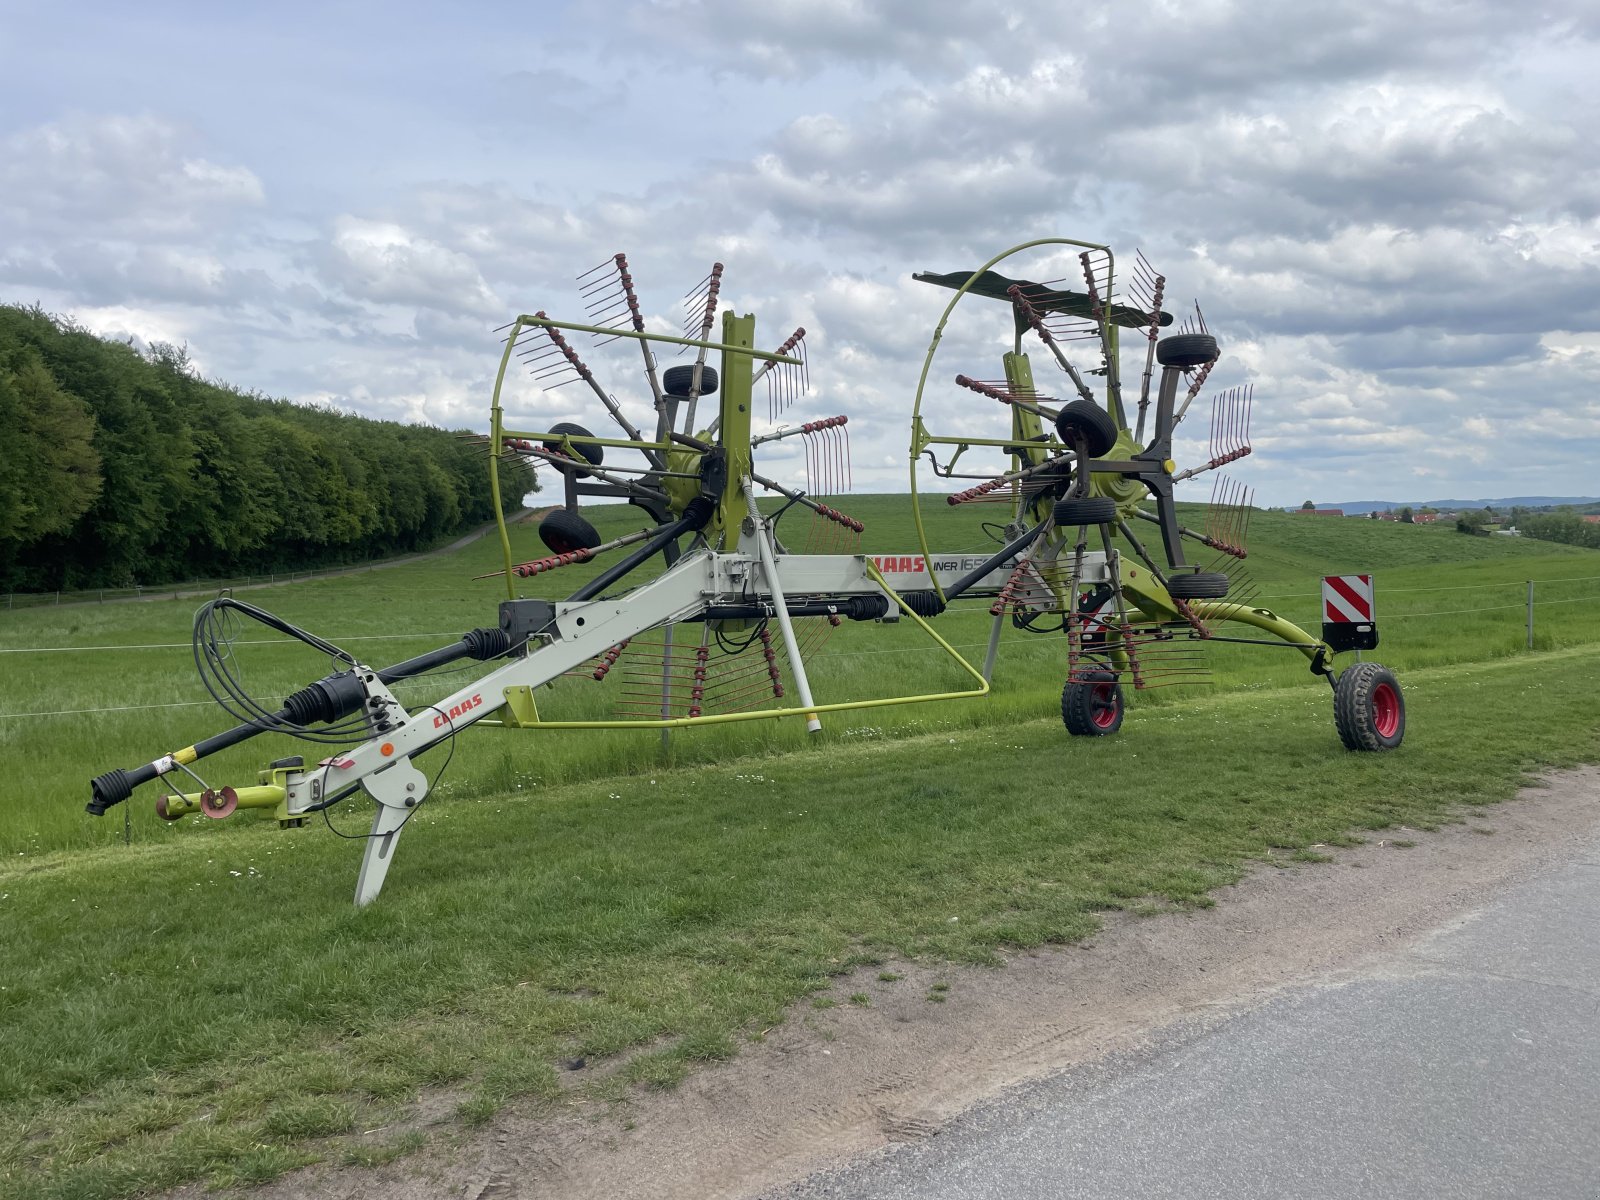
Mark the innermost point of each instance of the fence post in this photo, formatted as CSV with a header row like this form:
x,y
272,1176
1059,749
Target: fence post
x,y
1530,614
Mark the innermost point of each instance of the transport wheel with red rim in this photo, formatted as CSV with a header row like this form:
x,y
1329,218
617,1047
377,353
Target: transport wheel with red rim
x,y
1093,706
1369,708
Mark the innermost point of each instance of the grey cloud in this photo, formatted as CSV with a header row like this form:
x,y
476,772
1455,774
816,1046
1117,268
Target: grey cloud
x,y
115,175
798,38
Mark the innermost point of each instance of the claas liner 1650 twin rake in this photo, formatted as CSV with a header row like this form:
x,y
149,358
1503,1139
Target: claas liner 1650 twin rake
x,y
692,638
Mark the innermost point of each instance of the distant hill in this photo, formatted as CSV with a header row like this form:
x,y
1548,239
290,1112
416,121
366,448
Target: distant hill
x,y
1357,507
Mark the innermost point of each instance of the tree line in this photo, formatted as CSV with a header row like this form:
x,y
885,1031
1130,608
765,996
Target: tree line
x,y
120,468
1563,525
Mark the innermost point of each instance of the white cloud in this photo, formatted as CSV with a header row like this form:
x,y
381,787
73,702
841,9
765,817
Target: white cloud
x,y
1390,214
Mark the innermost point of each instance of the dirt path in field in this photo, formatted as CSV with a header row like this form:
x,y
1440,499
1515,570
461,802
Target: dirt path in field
x,y
833,1083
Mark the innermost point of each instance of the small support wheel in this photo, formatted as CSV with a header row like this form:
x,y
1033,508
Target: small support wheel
x,y
676,381
1086,419
565,531
1092,708
593,455
1201,585
1186,350
1368,707
1085,510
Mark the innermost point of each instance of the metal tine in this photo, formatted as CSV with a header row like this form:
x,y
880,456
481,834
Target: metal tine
x,y
1200,376
577,364
1196,323
1148,288
610,287
1143,280
700,305
703,301
1100,302
1024,307
783,383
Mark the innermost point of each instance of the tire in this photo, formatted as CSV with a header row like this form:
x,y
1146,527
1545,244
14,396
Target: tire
x,y
1085,510
1092,708
1369,709
1086,419
1202,585
565,531
676,381
593,455
1186,350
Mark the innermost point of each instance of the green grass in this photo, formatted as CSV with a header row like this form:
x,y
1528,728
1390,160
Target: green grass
x,y
206,1004
411,608
209,1008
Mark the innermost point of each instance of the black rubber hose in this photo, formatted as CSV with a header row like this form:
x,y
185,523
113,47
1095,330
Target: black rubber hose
x,y
328,700
479,644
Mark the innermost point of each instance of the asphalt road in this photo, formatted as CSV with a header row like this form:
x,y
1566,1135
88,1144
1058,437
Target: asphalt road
x,y
1467,1065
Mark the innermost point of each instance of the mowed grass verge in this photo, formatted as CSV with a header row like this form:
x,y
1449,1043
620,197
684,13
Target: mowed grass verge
x,y
214,1008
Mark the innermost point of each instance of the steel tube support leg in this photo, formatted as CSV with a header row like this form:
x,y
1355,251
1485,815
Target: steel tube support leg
x,y
994,648
769,565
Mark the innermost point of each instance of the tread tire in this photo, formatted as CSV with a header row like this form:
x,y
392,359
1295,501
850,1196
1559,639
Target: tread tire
x,y
1186,350
1202,585
1369,710
1093,708
593,455
564,531
1085,510
676,381
1098,428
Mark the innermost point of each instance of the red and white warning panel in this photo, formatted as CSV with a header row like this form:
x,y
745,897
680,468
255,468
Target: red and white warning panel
x,y
1347,598
1348,614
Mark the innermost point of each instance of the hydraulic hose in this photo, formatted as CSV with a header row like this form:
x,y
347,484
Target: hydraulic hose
x,y
329,699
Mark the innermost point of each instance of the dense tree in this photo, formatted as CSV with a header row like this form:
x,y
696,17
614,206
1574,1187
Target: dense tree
x,y
1562,526
50,472
120,468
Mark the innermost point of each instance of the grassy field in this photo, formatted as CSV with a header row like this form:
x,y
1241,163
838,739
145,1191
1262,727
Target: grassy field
x,y
78,701
206,1004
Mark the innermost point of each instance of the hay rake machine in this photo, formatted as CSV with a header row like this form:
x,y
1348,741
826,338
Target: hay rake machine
x,y
707,614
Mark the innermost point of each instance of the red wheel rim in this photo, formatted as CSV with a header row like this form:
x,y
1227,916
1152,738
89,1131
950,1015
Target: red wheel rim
x,y
1385,710
1103,705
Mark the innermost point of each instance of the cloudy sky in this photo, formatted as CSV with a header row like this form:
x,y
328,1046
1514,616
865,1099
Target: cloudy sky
x,y
1390,213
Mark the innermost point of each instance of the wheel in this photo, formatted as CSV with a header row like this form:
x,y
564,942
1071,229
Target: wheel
x,y
1094,424
565,531
1085,510
676,381
1186,350
1369,708
1092,708
1202,585
593,455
